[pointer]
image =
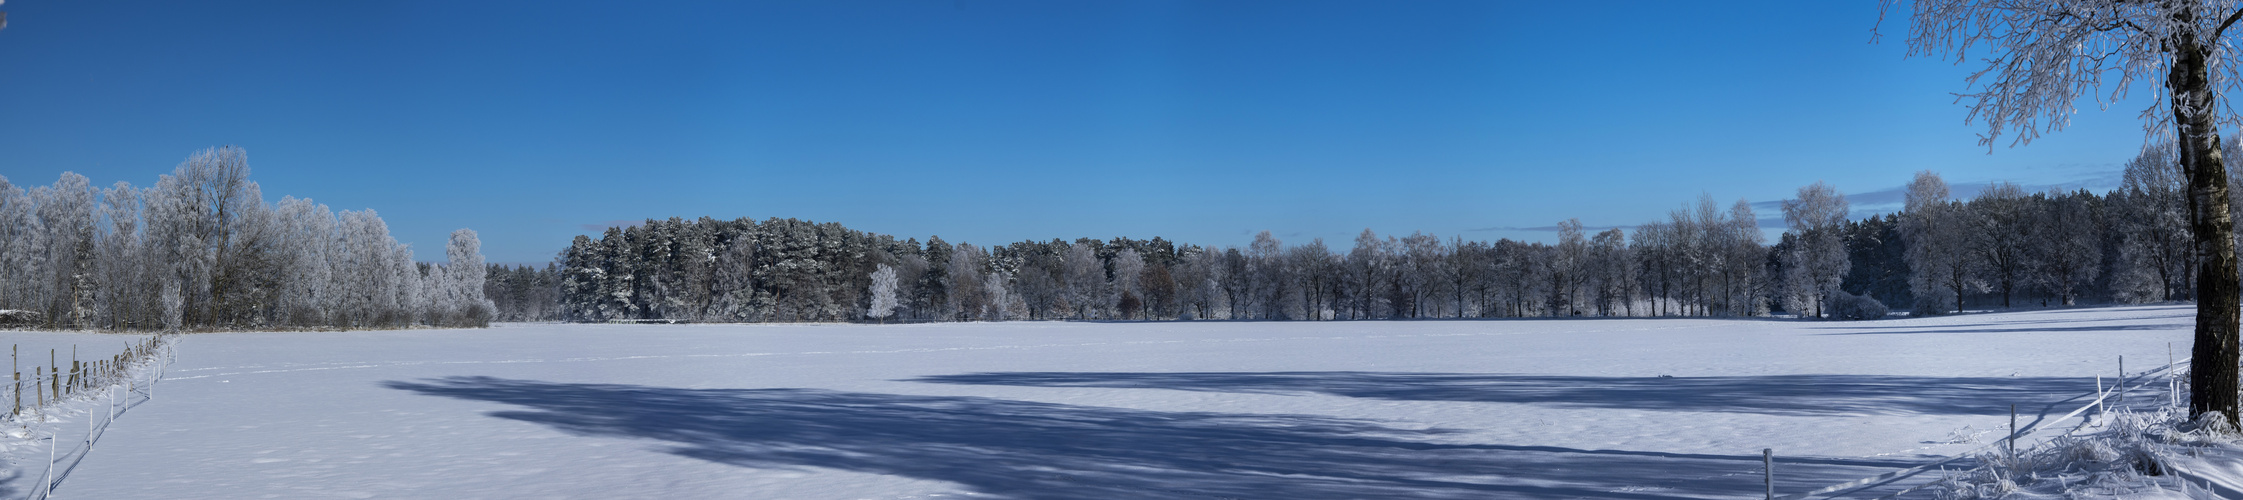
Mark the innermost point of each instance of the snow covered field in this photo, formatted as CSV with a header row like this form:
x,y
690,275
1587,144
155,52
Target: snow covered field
x,y
1431,409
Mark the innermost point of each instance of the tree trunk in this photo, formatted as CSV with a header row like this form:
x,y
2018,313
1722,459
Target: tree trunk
x,y
2212,378
1956,284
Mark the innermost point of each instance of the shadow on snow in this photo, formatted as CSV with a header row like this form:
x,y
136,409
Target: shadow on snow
x,y
1020,449
1769,394
2030,329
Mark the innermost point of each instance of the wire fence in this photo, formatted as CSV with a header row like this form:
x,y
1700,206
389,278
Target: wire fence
x,y
118,383
32,393
2103,395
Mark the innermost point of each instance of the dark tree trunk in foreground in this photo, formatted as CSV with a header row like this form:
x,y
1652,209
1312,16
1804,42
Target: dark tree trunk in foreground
x,y
2219,298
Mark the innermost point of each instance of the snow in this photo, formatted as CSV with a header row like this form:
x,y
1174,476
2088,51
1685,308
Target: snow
x,y
1587,408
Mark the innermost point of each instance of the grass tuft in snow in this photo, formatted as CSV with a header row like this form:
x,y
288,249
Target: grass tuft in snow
x,y
2126,456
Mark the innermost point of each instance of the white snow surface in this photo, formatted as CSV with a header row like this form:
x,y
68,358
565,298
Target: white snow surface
x,y
1568,408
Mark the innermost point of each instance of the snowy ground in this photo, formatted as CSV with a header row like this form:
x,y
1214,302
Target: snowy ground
x,y
1432,409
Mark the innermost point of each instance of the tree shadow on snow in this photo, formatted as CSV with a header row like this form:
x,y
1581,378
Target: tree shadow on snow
x,y
1986,329
1769,394
1020,449
21,480
2014,324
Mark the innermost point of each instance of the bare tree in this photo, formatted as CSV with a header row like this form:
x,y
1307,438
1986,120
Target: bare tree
x,y
2043,55
1610,270
1266,266
2067,244
1999,217
1422,258
1367,276
1317,273
1566,268
1745,278
2153,222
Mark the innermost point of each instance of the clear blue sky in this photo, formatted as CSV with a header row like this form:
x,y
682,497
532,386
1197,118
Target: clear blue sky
x,y
997,121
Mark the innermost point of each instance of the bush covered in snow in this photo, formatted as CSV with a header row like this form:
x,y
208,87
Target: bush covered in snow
x,y
1846,306
18,317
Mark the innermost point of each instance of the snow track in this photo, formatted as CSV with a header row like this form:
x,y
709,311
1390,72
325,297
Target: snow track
x,y
1432,409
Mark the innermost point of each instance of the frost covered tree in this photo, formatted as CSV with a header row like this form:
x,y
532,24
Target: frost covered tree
x,y
1002,303
1129,293
464,284
1745,278
1197,283
307,284
1818,264
1939,273
969,297
2043,55
1086,280
202,250
21,251
125,296
883,293
66,211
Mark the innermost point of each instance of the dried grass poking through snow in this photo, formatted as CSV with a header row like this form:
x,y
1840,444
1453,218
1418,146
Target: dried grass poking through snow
x,y
2127,457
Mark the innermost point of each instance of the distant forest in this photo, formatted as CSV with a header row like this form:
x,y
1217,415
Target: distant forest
x,y
2002,248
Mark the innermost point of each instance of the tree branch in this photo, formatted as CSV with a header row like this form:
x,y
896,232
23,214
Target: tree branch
x,y
2224,24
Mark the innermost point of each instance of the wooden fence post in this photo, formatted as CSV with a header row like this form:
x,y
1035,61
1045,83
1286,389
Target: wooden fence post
x,y
2013,431
1768,470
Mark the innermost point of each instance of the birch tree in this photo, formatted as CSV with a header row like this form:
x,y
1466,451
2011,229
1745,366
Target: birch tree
x,y
2042,56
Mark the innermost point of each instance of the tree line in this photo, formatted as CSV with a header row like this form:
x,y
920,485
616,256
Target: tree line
x,y
202,250
2003,247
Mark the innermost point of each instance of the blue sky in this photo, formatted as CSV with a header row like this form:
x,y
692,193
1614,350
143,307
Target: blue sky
x,y
997,121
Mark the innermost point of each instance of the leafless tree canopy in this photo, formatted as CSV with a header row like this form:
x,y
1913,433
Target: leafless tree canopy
x,y
2039,58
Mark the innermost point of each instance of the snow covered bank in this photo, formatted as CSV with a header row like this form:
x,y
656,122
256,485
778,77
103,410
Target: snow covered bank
x,y
1621,408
